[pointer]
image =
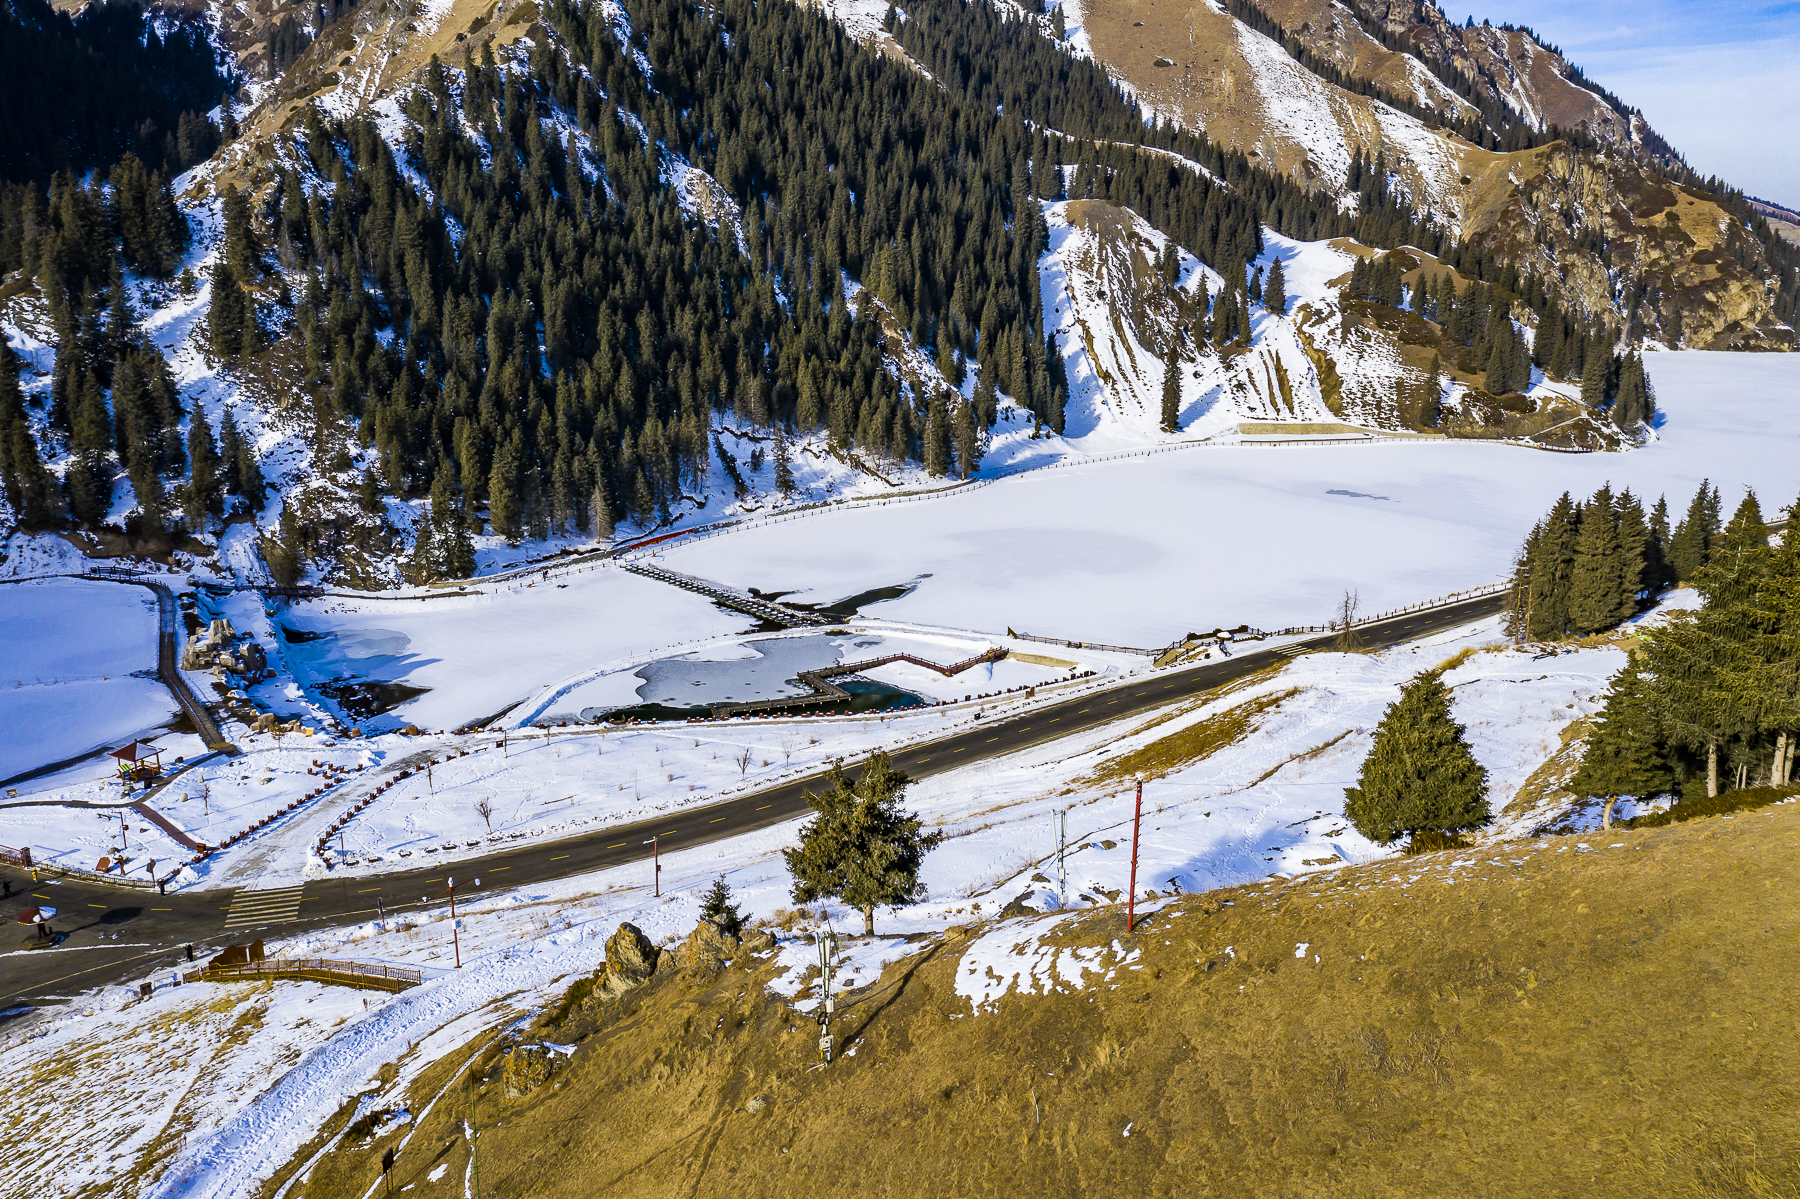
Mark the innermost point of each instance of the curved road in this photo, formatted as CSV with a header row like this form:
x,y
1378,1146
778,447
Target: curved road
x,y
116,935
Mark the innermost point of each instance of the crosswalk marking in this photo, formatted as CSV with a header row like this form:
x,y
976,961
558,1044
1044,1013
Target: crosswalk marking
x,y
251,907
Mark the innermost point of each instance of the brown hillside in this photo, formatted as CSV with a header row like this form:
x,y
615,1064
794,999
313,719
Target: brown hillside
x,y
1537,1018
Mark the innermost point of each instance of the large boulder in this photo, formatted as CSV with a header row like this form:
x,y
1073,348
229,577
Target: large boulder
x,y
630,960
528,1067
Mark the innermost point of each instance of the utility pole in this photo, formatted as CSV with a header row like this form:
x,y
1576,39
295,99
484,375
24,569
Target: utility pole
x,y
1061,816
455,941
827,1003
1137,816
656,856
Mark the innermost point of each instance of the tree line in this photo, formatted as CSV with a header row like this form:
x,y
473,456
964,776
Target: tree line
x,y
1710,700
1589,565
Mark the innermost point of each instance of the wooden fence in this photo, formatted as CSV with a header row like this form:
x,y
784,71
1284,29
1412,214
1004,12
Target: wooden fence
x,y
325,970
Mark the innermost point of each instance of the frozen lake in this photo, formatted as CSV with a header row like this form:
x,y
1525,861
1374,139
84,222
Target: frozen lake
x,y
1137,551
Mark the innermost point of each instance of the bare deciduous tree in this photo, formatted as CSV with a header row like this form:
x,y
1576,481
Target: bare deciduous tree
x,y
1345,622
485,810
743,762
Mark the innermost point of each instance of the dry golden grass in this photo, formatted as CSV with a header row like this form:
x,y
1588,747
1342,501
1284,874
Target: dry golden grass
x,y
1556,1021
1183,748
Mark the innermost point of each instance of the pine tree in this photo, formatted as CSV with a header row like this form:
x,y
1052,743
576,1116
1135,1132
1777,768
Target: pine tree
x,y
1553,571
716,907
1738,560
1634,537
203,493
968,440
1275,288
1420,773
226,315
1624,752
784,469
861,847
249,470
1598,578
937,439
1171,389
1658,575
1594,369
281,552
1691,545
1056,24
600,512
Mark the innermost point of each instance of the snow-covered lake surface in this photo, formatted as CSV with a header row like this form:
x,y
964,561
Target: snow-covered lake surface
x,y
68,652
1137,551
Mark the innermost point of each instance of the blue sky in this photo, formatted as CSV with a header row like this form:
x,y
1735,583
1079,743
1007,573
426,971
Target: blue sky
x,y
1720,81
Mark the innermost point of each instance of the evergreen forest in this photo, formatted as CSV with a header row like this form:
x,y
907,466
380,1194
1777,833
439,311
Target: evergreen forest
x,y
1710,700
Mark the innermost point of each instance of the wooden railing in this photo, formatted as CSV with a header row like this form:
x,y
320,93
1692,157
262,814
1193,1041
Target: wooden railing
x,y
328,970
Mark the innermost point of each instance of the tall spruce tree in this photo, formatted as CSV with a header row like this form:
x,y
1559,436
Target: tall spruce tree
x,y
1420,774
1275,288
861,847
937,439
1596,576
1738,559
1624,752
1692,541
1553,571
968,439
1171,388
203,494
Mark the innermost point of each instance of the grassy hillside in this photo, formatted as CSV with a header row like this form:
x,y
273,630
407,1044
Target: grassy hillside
x,y
1603,1018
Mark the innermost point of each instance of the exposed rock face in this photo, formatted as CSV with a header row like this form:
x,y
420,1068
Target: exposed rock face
x,y
1678,262
528,1067
630,961
708,948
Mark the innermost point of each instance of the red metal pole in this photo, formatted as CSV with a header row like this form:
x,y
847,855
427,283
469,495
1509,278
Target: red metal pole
x,y
1137,816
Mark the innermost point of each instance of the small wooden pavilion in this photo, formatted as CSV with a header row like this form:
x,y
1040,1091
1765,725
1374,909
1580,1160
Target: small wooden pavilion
x,y
139,760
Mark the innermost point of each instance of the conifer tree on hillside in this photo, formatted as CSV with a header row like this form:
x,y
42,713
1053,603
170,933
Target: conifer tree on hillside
x,y
1275,288
1597,585
1766,677
1636,402
1657,572
861,847
937,439
968,439
29,487
1624,752
1420,774
717,907
1737,559
1171,388
203,494
1552,568
228,312
1692,542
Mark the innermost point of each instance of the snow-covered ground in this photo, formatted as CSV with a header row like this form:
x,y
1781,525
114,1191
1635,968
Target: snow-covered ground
x,y
70,653
1269,803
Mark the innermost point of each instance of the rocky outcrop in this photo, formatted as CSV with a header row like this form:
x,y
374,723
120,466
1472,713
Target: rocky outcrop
x,y
631,959
224,650
528,1067
1670,261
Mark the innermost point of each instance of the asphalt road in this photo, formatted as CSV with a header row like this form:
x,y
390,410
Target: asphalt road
x,y
115,935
